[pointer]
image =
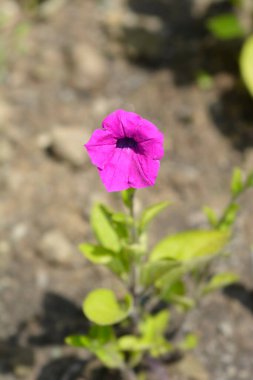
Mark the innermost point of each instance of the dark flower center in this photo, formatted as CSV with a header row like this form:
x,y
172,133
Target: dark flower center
x,y
126,142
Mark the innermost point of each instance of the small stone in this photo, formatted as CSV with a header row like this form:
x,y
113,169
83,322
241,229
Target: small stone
x,y
55,248
44,140
42,279
67,144
225,329
231,372
89,67
19,231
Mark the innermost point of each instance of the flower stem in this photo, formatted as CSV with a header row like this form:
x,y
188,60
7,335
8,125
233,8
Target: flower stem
x,y
134,270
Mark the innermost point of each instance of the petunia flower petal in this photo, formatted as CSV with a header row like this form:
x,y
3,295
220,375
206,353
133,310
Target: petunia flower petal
x,y
143,171
113,124
147,131
115,174
152,148
100,147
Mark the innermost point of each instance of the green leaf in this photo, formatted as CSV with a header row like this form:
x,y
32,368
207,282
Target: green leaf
x,y
102,343
172,289
102,307
229,216
152,271
185,303
110,356
101,334
204,80
96,253
103,227
211,216
154,326
219,281
152,330
225,26
119,262
246,59
132,343
189,343
190,245
237,184
150,213
249,180
78,341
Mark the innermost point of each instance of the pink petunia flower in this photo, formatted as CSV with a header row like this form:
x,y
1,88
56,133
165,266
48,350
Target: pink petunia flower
x,y
126,151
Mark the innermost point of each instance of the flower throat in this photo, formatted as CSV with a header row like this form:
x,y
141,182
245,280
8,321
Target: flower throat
x,y
126,142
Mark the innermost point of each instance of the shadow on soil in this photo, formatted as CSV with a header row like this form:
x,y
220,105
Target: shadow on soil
x,y
188,46
59,318
241,294
66,368
189,49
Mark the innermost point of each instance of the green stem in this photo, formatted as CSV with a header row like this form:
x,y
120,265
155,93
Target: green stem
x,y
134,272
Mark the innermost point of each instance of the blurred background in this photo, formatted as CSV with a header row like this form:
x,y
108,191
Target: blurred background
x,y
66,64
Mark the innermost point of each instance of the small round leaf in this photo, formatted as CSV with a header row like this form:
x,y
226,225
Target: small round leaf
x,y
102,307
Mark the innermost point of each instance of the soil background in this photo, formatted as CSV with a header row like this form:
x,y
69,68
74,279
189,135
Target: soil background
x,y
80,60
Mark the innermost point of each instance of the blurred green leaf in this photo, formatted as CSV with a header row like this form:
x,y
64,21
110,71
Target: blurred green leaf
x,y
185,303
225,26
96,253
237,184
152,330
119,262
190,245
229,216
78,341
176,288
152,271
249,180
132,343
220,280
155,325
166,282
150,213
246,59
101,334
110,356
189,342
211,216
102,307
104,228
204,80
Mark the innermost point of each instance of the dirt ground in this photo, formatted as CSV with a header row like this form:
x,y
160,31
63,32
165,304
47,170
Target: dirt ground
x,y
72,72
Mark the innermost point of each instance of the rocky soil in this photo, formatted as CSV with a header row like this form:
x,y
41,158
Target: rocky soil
x,y
79,61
